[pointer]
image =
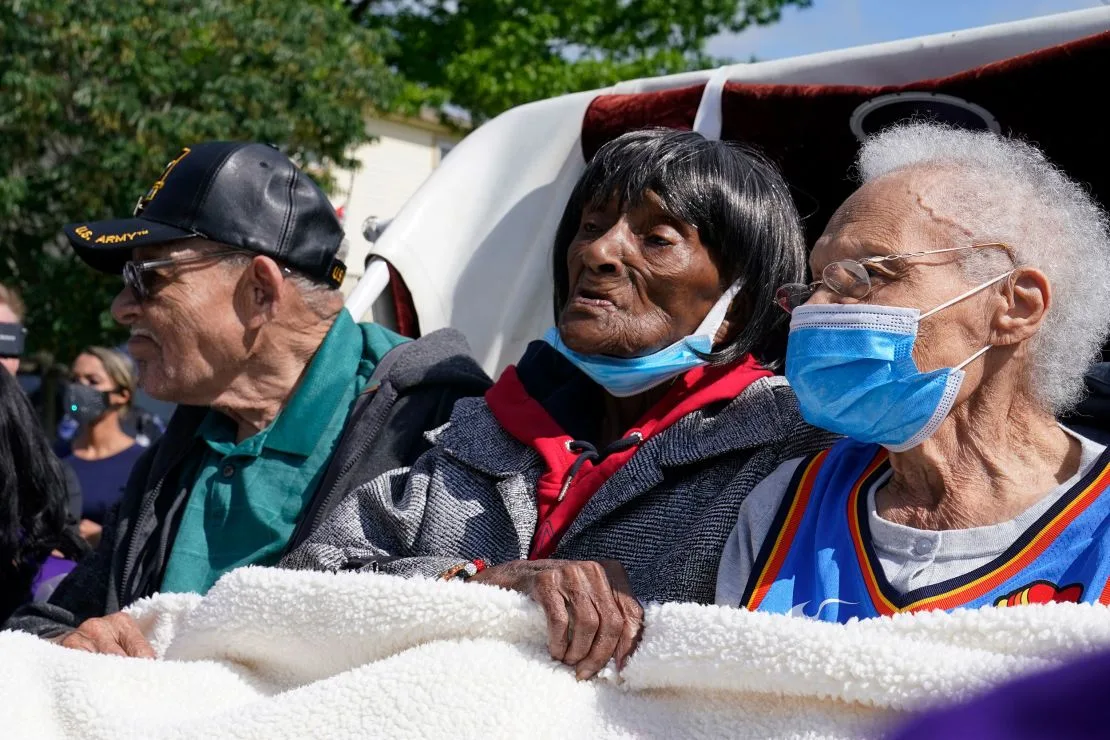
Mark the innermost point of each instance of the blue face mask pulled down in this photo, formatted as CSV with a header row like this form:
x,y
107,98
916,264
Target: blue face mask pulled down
x,y
852,369
629,376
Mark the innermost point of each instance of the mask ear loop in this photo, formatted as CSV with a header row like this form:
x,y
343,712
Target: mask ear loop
x,y
959,298
716,316
962,296
973,358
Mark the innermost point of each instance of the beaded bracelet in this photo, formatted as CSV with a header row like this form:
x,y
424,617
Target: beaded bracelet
x,y
464,570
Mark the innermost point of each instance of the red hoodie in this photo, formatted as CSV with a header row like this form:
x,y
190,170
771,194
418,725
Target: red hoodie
x,y
575,469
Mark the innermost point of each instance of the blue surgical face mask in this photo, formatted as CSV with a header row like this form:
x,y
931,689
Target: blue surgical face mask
x,y
629,376
852,369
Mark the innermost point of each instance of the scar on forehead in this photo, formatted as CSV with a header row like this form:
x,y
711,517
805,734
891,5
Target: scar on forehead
x,y
914,189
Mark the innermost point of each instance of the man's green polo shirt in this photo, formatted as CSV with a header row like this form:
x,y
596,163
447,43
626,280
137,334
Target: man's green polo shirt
x,y
246,498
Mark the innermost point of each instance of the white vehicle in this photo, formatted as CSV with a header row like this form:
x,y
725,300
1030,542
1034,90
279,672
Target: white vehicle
x,y
473,244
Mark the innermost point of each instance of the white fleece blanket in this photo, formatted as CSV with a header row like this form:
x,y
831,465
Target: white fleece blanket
x,y
280,654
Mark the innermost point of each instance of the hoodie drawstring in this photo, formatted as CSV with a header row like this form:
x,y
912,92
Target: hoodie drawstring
x,y
587,452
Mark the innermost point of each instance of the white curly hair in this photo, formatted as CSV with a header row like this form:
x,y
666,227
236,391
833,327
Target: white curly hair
x,y
998,189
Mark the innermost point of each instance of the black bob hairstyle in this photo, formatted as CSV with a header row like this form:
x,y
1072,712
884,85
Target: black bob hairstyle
x,y
737,201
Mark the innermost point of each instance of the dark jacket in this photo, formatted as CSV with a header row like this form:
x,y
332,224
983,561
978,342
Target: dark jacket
x,y
665,514
412,390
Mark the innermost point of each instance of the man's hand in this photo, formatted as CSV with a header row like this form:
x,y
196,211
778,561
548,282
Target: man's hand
x,y
115,634
592,614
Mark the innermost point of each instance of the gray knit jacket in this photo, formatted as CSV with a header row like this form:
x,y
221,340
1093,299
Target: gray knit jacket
x,y
665,515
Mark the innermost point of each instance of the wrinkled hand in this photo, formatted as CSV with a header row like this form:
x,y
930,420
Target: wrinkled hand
x,y
115,634
592,614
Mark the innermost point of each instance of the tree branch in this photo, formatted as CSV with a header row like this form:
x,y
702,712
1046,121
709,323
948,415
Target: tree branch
x,y
359,8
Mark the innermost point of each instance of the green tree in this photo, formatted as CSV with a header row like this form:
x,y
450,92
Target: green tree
x,y
96,96
486,56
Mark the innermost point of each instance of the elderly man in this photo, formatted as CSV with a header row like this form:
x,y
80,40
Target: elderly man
x,y
231,268
12,332
961,294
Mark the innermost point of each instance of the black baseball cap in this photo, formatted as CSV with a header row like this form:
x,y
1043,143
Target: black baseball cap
x,y
245,195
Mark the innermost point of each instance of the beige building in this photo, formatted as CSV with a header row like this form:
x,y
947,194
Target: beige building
x,y
405,152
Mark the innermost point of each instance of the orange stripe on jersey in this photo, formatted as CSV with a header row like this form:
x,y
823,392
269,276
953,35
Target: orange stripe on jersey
x,y
1027,555
1104,599
882,604
983,585
786,532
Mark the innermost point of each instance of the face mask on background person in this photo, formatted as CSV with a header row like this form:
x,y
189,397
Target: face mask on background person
x,y
86,404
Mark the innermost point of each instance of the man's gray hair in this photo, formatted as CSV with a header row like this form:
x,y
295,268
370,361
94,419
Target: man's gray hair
x,y
318,295
997,189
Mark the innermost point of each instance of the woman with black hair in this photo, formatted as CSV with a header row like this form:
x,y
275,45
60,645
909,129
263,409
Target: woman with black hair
x,y
607,466
34,516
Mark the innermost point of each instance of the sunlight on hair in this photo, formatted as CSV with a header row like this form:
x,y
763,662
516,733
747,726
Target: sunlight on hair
x,y
999,189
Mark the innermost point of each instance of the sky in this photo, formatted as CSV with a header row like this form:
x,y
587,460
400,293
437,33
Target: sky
x,y
837,24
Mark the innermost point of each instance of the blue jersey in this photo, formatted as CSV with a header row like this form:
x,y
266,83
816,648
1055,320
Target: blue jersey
x,y
818,561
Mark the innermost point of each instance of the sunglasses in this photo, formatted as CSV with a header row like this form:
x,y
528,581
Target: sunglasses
x,y
141,278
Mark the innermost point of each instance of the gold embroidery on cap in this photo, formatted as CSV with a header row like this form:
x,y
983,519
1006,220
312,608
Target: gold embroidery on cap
x,y
119,238
159,183
338,273
84,232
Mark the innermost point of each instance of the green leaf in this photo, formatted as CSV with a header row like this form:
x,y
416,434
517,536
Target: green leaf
x,y
96,96
485,56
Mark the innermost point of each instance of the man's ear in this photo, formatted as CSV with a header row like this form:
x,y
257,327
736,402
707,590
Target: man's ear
x,y
1027,296
259,293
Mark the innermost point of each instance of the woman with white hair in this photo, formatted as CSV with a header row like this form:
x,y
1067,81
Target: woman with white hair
x,y
961,293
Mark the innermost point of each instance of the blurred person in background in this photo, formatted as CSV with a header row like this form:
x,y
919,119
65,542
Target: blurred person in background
x,y
144,420
33,506
101,388
12,332
144,425
12,339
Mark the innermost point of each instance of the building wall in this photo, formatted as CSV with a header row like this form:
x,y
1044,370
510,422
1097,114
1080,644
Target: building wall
x,y
393,167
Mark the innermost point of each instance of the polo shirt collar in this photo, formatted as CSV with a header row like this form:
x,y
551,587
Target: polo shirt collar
x,y
302,423
218,432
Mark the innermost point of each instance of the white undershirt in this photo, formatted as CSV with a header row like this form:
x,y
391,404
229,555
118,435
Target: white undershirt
x,y
912,558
